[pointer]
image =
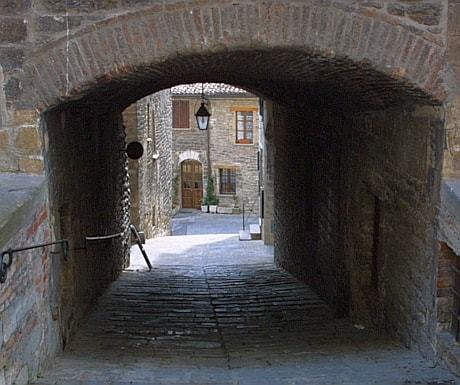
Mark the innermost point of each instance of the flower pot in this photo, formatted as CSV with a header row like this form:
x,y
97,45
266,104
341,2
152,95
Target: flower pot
x,y
204,209
213,209
244,141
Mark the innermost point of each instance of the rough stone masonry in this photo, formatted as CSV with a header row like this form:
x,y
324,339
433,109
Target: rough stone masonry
x,y
364,105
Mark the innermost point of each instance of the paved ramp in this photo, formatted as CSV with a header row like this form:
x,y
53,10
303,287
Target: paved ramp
x,y
235,324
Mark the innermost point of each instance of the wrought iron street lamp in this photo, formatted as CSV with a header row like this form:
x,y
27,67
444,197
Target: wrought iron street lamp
x,y
202,115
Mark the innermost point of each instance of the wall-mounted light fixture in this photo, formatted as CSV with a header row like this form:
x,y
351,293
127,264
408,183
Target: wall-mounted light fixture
x,y
202,115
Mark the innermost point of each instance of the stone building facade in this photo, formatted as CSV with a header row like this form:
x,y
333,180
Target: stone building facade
x,y
149,122
230,159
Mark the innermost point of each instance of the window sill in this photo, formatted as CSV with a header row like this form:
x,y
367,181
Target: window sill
x,y
245,144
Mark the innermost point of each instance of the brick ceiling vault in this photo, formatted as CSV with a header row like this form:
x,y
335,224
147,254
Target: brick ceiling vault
x,y
289,51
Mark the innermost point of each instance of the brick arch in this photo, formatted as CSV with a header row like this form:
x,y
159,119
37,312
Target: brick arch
x,y
189,155
123,54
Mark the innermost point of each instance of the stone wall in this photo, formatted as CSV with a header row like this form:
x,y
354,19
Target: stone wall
x,y
402,153
403,39
306,190
87,170
187,144
367,185
155,167
223,151
368,54
130,124
451,168
29,311
268,173
448,256
445,283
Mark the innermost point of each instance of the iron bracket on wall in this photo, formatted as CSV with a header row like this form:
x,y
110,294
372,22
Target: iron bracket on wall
x,y
6,257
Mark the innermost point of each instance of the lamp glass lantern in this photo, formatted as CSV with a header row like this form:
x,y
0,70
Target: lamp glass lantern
x,y
202,115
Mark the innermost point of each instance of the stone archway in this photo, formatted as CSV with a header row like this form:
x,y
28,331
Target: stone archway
x,y
360,43
354,94
189,155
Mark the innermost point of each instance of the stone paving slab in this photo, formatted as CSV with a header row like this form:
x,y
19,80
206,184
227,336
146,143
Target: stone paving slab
x,y
233,324
201,250
212,239
196,223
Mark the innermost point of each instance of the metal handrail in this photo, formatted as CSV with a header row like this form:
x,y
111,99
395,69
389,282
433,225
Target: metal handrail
x,y
104,237
139,243
251,211
6,257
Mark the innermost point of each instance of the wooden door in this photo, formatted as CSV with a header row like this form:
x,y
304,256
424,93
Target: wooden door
x,y
192,184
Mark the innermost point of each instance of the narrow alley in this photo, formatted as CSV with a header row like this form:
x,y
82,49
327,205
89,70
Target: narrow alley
x,y
335,124
213,316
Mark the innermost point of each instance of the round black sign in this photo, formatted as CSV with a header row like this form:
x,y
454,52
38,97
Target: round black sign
x,y
134,150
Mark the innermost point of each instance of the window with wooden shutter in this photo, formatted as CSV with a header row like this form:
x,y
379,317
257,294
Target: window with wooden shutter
x,y
244,127
181,113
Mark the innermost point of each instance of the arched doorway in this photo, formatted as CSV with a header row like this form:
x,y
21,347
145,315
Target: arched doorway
x,y
192,184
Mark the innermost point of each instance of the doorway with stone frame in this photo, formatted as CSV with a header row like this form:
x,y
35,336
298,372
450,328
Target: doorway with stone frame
x,y
191,184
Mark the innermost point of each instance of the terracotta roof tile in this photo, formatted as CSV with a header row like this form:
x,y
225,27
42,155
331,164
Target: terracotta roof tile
x,y
210,89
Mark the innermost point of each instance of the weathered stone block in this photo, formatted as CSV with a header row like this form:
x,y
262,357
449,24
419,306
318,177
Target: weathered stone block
x,y
396,9
12,30
372,3
31,166
13,88
28,140
136,3
224,210
54,24
454,19
81,6
4,140
11,58
8,162
453,52
425,13
25,118
23,377
14,7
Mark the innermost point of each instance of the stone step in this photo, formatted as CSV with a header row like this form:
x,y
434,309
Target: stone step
x,y
255,232
245,235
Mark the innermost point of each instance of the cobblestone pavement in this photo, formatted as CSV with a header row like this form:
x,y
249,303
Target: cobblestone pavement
x,y
216,311
234,324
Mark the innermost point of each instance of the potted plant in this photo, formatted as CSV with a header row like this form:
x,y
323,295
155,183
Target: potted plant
x,y
213,204
204,205
211,196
